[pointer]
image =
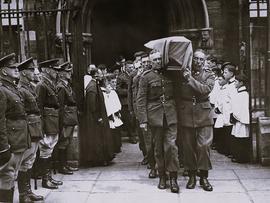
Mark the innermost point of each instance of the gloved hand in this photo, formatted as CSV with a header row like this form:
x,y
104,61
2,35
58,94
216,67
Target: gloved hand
x,y
233,120
5,157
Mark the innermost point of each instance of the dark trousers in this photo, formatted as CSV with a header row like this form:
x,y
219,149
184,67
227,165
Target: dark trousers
x,y
128,122
197,142
141,140
117,142
149,141
224,140
240,149
166,151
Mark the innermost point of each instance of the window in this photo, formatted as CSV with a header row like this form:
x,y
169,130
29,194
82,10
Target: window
x,y
257,8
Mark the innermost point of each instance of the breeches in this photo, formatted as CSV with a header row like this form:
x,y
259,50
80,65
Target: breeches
x,y
29,157
166,151
150,146
9,171
47,144
65,137
196,145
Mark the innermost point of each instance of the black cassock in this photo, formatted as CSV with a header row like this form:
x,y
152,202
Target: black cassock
x,y
96,141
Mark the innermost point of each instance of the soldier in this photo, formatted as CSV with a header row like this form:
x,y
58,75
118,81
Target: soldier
x,y
134,90
196,122
148,138
68,118
49,107
122,85
157,108
14,137
27,88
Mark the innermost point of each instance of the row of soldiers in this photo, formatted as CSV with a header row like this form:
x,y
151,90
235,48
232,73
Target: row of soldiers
x,y
172,115
33,115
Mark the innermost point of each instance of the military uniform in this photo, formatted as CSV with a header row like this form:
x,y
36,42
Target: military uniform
x,y
35,132
156,107
122,89
135,87
196,122
48,104
14,137
67,119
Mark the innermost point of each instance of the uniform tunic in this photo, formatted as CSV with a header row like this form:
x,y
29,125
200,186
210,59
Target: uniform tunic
x,y
13,131
156,107
196,120
34,123
66,99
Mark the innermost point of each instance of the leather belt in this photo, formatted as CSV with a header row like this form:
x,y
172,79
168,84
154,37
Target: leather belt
x,y
16,117
162,98
195,100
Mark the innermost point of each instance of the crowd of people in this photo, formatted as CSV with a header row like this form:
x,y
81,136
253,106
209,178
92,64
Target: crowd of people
x,y
177,115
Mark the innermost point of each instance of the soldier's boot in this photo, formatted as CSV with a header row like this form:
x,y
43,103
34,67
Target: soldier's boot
x,y
56,182
173,182
45,172
162,180
204,181
192,179
62,163
22,187
6,196
70,168
30,193
152,173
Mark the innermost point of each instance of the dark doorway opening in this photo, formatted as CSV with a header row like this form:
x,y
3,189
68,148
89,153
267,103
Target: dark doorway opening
x,y
121,27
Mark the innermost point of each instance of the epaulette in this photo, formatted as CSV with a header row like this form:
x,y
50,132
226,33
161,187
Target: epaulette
x,y
146,72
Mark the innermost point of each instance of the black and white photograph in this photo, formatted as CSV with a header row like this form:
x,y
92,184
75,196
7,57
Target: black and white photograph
x,y
133,101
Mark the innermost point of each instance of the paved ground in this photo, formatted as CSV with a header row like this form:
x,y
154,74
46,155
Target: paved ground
x,y
126,181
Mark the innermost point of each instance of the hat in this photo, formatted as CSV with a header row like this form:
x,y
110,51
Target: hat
x,y
27,64
67,67
52,63
8,61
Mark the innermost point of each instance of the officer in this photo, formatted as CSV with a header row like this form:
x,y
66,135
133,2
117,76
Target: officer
x,y
14,137
49,107
27,88
122,89
67,116
157,108
196,121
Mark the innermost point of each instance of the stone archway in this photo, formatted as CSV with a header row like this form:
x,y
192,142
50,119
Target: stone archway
x,y
167,18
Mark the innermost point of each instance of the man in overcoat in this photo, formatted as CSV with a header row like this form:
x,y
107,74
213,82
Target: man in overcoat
x,y
68,117
14,137
48,104
26,85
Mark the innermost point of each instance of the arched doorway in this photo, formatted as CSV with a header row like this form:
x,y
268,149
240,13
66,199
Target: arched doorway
x,y
122,27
